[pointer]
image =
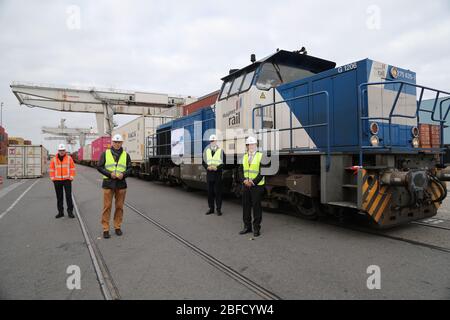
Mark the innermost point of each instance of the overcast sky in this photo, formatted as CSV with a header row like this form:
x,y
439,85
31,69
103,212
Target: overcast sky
x,y
185,47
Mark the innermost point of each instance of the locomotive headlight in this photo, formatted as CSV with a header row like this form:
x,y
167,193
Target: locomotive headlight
x,y
415,132
374,129
375,141
416,142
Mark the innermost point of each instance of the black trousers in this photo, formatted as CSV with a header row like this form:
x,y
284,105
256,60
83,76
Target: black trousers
x,y
252,198
215,194
60,188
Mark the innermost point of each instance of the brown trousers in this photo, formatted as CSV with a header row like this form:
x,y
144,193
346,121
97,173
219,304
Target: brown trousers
x,y
108,195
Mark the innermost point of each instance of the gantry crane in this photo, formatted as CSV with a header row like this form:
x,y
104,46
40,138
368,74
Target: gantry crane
x,y
69,134
104,103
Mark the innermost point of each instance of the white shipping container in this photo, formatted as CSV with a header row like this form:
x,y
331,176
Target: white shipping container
x,y
135,133
87,152
27,161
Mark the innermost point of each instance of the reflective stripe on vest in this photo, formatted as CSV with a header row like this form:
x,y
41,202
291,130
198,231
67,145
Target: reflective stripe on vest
x,y
215,160
251,170
60,173
112,166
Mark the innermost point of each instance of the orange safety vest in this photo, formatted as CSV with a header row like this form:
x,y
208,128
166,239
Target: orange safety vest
x,y
62,170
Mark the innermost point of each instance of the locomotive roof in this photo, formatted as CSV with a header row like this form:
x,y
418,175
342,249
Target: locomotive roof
x,y
311,63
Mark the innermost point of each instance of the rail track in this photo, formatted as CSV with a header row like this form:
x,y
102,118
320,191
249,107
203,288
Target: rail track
x,y
107,285
110,290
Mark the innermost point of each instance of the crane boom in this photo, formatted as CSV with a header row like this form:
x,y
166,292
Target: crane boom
x,y
104,103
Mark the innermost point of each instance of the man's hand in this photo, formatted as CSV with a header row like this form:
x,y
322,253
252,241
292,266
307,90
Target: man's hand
x,y
120,176
214,168
113,175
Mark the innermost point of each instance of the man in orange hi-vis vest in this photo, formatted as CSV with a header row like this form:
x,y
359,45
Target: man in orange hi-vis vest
x,y
62,173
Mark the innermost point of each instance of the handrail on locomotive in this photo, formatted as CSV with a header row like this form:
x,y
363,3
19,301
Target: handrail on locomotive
x,y
291,129
442,120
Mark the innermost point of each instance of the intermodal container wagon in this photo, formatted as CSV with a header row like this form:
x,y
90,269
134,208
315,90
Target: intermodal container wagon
x,y
99,146
87,153
183,137
135,133
80,154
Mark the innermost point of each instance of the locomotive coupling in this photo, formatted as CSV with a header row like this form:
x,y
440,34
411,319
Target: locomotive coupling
x,y
413,179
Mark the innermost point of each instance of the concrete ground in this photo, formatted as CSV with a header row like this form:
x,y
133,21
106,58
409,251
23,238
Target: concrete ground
x,y
294,258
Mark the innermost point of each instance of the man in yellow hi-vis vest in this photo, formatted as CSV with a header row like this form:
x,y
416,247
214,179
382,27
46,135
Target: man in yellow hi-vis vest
x,y
115,166
214,163
253,189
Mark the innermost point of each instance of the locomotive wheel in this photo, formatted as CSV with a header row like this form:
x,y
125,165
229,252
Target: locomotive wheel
x,y
305,207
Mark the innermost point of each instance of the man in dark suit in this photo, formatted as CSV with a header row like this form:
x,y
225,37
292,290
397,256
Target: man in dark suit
x,y
213,162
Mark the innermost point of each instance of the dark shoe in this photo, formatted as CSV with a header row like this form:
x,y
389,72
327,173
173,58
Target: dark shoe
x,y
245,231
119,232
219,212
59,215
256,233
106,235
209,212
71,216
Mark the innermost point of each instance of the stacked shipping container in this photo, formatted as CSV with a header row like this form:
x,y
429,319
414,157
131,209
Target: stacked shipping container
x,y
203,102
17,141
3,146
430,136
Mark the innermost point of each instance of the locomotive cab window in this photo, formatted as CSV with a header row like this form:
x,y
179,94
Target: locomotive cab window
x,y
248,81
225,90
269,77
239,85
272,75
236,85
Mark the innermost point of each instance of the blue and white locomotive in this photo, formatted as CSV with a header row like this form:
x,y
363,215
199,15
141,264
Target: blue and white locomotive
x,y
344,138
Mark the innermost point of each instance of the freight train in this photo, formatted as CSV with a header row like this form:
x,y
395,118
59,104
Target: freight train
x,y
335,139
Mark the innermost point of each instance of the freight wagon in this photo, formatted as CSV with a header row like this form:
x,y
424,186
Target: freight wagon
x,y
87,155
175,140
27,162
99,146
337,140
134,134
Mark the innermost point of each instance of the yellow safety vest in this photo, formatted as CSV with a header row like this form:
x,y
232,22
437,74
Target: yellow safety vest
x,y
251,170
112,166
215,160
